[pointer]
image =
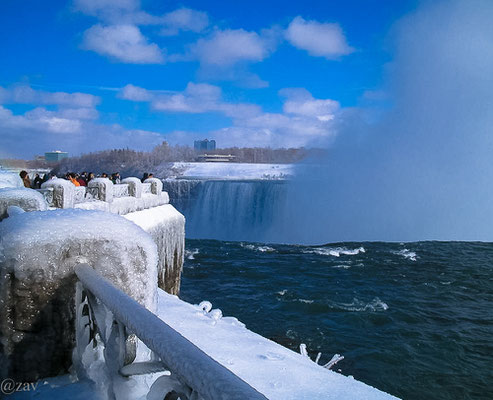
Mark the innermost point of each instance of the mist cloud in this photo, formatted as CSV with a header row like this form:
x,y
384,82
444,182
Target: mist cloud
x,y
426,170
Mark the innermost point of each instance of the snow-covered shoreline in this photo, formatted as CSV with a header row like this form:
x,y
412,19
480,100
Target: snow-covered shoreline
x,y
230,170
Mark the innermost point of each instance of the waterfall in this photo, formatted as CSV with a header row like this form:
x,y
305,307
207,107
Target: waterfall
x,y
226,209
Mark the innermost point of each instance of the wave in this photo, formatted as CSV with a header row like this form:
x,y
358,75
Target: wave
x,y
190,254
375,305
406,253
335,251
262,249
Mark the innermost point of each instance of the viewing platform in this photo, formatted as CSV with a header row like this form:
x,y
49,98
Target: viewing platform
x,y
89,279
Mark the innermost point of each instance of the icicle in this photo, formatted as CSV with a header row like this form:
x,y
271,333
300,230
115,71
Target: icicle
x,y
333,361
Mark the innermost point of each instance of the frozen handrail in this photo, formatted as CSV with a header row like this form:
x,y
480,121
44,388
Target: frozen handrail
x,y
199,371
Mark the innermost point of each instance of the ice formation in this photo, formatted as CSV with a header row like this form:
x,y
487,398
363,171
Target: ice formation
x,y
134,186
105,188
27,199
10,179
232,170
125,205
167,227
275,371
156,186
38,251
63,192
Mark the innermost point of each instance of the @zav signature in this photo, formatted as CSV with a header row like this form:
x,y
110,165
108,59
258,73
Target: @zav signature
x,y
9,386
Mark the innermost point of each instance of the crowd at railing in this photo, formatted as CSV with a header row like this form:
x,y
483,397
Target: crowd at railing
x,y
78,179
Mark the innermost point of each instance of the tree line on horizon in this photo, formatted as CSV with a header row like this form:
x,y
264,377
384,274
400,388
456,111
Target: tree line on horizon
x,y
134,163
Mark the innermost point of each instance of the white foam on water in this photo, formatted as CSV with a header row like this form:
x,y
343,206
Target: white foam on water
x,y
262,249
190,254
335,251
357,305
406,253
343,266
305,301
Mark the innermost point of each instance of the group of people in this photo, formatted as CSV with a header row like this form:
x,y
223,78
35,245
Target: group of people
x,y
81,179
37,181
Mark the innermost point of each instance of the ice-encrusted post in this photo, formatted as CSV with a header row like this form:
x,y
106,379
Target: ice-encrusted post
x,y
63,192
38,254
134,186
156,186
104,187
167,228
27,199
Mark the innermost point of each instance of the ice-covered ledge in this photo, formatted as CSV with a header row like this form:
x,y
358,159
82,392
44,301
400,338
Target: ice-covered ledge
x,y
167,228
275,371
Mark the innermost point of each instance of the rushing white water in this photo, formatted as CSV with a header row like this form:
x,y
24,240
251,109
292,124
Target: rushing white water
x,y
228,210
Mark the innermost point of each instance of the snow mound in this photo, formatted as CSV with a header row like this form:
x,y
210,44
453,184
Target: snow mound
x,y
10,180
27,199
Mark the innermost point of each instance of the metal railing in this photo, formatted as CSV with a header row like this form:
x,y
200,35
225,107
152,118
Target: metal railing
x,y
199,375
146,188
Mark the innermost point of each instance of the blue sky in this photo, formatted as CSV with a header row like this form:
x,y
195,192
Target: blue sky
x,y
86,75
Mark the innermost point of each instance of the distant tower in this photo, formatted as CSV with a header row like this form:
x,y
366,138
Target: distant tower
x,y
56,155
200,145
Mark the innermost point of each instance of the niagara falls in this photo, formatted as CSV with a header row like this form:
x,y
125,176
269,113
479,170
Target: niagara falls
x,y
246,200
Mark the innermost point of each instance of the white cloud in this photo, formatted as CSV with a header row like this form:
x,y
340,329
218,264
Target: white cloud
x,y
197,98
39,119
228,47
319,39
122,42
184,19
40,130
135,93
24,94
305,120
110,11
301,102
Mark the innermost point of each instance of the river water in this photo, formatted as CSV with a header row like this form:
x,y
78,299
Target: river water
x,y
413,319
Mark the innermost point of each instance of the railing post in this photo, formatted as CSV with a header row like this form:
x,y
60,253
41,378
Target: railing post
x,y
156,186
134,186
63,192
105,188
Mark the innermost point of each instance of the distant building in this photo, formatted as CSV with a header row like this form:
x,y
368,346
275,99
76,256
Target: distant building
x,y
55,155
206,144
215,158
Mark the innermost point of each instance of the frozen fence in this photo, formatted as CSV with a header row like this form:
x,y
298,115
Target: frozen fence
x,y
146,188
101,194
197,374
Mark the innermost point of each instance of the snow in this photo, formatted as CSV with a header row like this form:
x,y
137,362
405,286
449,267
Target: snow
x,y
10,179
27,199
105,188
276,372
229,170
63,192
156,185
125,205
134,186
167,227
44,246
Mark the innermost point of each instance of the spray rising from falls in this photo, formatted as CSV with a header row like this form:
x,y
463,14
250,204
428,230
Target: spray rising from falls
x,y
226,209
424,171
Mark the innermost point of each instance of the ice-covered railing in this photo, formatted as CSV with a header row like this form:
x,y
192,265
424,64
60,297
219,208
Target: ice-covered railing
x,y
103,309
129,196
121,190
146,188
